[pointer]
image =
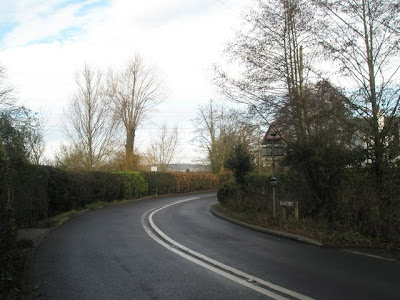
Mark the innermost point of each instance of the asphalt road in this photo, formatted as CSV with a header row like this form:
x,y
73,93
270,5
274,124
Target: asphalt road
x,y
182,251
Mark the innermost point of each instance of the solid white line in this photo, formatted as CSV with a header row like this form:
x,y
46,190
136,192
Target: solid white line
x,y
371,255
213,269
214,262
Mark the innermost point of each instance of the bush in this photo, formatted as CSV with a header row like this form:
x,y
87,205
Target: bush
x,y
134,185
239,161
224,193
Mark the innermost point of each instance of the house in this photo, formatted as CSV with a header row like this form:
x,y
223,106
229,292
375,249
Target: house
x,y
360,135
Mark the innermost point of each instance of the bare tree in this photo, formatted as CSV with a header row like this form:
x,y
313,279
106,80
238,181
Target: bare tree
x,y
164,147
70,157
35,139
7,97
274,52
218,128
134,92
363,37
92,125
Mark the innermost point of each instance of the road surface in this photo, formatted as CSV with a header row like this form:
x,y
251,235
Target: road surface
x,y
174,248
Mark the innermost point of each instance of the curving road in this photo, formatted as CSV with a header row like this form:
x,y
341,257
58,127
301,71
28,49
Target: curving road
x,y
174,248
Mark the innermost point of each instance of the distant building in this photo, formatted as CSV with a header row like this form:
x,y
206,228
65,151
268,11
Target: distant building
x,y
360,136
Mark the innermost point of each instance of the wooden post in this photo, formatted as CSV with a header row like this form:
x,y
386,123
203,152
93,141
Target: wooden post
x,y
296,210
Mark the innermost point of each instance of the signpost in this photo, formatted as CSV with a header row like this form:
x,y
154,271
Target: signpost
x,y
273,180
154,169
272,151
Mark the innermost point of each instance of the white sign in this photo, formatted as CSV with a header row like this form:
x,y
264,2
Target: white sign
x,y
154,169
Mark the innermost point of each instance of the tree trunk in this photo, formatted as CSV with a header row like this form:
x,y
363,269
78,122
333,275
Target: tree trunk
x,y
129,146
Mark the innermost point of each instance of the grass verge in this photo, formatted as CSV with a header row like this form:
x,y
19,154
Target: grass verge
x,y
311,229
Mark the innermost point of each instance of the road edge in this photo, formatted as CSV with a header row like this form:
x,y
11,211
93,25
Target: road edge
x,y
282,234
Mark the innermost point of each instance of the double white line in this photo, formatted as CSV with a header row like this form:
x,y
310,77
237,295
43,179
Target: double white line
x,y
257,284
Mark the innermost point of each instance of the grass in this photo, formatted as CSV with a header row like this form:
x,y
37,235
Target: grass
x,y
310,228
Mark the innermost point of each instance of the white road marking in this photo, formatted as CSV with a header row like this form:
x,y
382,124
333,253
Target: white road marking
x,y
371,255
213,265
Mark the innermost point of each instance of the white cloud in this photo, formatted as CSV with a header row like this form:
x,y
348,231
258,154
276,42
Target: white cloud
x,y
183,38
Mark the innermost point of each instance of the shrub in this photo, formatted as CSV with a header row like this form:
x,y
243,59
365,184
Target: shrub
x,y
225,192
134,185
239,161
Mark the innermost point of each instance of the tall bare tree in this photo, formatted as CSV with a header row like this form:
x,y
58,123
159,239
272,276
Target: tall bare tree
x,y
164,147
92,125
363,36
273,51
134,92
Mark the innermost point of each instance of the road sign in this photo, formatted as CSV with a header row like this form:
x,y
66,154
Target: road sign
x,y
266,150
154,168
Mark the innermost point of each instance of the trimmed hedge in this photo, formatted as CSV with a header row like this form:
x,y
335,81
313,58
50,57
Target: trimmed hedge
x,y
167,183
29,193
163,182
134,185
40,192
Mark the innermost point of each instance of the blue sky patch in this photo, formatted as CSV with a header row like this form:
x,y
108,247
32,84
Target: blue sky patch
x,y
90,6
6,28
62,36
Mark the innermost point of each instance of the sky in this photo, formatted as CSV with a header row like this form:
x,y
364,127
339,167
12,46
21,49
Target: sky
x,y
44,43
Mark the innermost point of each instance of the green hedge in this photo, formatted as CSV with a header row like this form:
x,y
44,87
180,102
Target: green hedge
x,y
29,193
39,192
134,185
167,183
356,205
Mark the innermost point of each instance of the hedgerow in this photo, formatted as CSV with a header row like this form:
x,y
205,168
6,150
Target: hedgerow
x,y
133,185
356,206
